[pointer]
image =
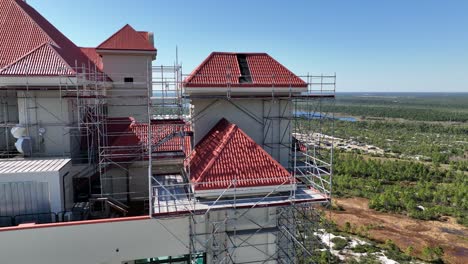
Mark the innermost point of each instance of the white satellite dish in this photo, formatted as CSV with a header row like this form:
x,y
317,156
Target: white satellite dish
x,y
18,131
23,145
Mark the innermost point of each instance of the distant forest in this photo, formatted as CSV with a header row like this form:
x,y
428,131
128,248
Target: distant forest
x,y
423,107
424,171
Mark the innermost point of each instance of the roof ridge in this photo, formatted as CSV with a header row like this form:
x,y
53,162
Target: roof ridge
x,y
113,35
239,53
232,155
44,44
219,149
23,56
54,49
263,150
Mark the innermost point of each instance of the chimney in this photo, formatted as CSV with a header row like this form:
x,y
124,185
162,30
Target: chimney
x,y
151,38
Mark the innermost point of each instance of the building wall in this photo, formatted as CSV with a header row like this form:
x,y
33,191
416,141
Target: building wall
x,y
128,99
254,248
137,172
119,66
252,235
114,182
36,81
258,119
46,109
100,243
23,192
24,197
8,115
134,106
139,181
251,240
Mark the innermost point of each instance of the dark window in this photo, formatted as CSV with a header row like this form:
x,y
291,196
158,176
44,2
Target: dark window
x,y
128,79
244,69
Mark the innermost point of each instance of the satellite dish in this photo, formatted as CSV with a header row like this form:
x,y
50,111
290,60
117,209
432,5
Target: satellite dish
x,y
18,131
24,145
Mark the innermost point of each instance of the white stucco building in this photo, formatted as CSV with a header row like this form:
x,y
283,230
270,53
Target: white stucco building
x,y
105,159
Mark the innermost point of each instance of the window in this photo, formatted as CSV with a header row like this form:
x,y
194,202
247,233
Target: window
x,y
128,79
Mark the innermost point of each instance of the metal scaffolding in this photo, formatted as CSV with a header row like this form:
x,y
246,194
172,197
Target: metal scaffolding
x,y
153,149
218,226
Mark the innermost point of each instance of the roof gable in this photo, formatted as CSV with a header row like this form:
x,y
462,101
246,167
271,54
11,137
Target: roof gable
x,y
242,70
127,38
23,30
226,154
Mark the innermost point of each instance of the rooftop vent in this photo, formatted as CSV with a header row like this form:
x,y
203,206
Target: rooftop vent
x,y
244,69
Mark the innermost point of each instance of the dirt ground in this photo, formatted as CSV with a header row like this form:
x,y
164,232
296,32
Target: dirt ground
x,y
405,231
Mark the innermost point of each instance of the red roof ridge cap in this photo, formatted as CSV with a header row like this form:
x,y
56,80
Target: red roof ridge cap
x,y
118,31
239,53
264,151
47,44
219,149
24,55
61,57
115,33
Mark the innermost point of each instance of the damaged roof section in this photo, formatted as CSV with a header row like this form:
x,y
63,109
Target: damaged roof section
x,y
242,70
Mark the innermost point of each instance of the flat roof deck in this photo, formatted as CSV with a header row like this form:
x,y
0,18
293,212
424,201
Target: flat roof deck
x,y
171,196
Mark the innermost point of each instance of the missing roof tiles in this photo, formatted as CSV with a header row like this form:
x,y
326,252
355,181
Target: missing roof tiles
x,y
244,69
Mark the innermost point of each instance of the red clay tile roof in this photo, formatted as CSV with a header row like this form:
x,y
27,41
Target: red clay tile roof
x,y
33,44
221,68
127,39
226,153
129,138
145,34
93,56
43,52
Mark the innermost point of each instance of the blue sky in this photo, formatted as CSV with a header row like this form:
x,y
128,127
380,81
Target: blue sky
x,y
378,46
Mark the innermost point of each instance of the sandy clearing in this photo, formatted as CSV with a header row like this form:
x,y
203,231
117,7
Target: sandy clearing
x,y
405,231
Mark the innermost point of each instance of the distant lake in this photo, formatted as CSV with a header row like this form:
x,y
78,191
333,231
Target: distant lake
x,y
319,115
345,118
